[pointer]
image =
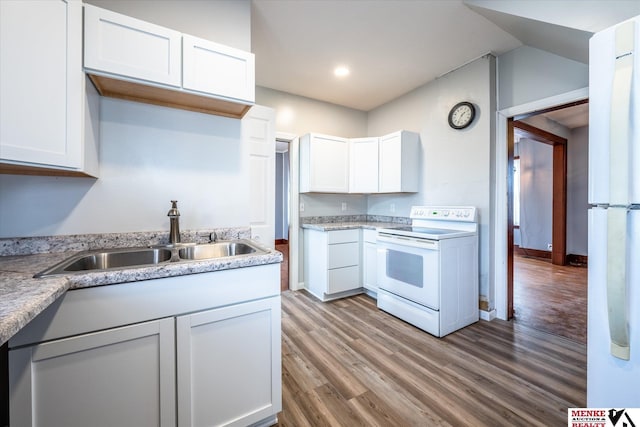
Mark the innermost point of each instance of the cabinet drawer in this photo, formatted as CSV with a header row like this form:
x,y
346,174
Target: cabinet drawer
x,y
343,279
342,236
343,255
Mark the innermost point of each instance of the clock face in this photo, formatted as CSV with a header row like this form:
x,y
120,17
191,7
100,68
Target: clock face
x,y
461,115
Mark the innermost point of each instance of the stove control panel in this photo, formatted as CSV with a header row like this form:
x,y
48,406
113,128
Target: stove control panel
x,y
448,213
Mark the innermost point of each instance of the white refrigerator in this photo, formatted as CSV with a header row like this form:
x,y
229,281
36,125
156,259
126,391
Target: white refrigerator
x,y
613,334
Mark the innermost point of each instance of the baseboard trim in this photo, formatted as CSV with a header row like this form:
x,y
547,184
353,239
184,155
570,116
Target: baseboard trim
x,y
488,315
536,253
578,260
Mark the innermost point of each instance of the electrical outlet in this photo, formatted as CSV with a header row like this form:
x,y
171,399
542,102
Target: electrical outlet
x,y
549,247
344,206
301,207
392,207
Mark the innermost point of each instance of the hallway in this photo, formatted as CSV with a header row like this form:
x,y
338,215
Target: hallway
x,y
283,246
551,298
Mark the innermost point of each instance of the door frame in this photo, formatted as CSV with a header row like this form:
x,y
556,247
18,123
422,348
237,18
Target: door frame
x,y
500,205
559,196
294,202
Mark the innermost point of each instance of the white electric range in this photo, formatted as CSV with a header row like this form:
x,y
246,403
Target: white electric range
x,y
428,272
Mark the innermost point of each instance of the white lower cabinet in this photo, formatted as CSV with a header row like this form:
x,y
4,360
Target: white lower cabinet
x,y
332,263
369,260
118,377
75,365
229,365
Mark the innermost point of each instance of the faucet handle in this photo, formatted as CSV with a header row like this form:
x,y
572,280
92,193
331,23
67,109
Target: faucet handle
x,y
213,237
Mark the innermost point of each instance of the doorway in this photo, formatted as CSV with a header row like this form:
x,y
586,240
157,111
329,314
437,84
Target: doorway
x,y
282,209
547,291
287,216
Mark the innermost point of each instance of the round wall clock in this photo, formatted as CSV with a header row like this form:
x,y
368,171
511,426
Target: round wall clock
x,y
461,115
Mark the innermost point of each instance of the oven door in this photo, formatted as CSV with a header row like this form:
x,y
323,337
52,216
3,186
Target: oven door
x,y
409,267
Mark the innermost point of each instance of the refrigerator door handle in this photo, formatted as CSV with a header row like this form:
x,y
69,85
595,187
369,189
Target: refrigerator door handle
x,y
619,155
617,282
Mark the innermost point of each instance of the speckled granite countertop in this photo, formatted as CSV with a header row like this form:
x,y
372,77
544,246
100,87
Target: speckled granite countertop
x,y
22,297
349,222
331,226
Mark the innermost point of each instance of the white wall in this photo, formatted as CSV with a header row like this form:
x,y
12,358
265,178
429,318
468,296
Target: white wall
x,y
222,21
282,195
577,180
536,194
527,74
577,190
149,155
299,115
456,165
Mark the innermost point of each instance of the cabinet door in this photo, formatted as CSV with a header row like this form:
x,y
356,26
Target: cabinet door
x,y
324,164
390,163
363,165
118,377
128,47
40,82
218,70
370,267
343,279
399,162
229,365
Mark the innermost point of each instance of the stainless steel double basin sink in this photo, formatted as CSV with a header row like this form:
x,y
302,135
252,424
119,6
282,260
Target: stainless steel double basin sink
x,y
142,257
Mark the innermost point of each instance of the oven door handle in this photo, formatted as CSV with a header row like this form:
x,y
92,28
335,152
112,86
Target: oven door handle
x,y
400,241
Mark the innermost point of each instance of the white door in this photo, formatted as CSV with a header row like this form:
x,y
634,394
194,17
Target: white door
x,y
363,165
390,168
117,377
40,92
229,365
411,269
259,134
216,69
612,382
129,47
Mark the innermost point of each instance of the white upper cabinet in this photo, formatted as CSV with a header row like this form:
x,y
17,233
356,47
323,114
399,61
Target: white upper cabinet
x,y
216,69
45,121
389,164
398,169
363,165
131,48
324,164
132,59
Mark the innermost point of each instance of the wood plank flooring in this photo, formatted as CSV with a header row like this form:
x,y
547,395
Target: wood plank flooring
x,y
552,298
283,246
346,363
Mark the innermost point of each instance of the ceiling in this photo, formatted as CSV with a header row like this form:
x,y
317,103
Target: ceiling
x,y
394,46
571,117
391,47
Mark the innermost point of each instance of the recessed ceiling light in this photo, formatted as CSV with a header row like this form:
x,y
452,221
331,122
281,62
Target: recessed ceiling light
x,y
341,71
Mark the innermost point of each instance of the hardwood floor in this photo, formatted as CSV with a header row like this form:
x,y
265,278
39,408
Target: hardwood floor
x,y
283,246
346,363
551,298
